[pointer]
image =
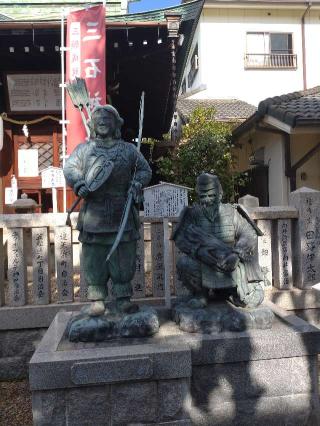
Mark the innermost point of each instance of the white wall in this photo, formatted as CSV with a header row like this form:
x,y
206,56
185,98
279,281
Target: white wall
x,y
222,45
274,158
312,33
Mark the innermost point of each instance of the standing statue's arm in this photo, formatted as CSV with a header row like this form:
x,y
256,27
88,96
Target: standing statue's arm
x,y
74,169
141,172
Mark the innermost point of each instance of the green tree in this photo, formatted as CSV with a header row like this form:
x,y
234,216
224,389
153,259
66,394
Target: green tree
x,y
205,146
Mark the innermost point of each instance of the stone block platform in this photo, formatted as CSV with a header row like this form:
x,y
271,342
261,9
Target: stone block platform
x,y
256,377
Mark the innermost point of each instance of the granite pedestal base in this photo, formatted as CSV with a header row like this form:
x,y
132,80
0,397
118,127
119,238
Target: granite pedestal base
x,y
256,377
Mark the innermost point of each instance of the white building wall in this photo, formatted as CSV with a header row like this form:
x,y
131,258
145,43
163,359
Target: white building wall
x,y
222,44
312,35
274,157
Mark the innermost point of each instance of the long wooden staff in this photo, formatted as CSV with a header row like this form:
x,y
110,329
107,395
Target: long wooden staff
x,y
129,200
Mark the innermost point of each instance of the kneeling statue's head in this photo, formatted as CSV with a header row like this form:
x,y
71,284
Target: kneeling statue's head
x,y
209,189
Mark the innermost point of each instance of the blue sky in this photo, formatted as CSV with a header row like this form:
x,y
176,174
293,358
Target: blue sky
x,y
145,5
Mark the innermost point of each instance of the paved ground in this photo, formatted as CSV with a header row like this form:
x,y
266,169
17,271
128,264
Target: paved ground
x,y
15,404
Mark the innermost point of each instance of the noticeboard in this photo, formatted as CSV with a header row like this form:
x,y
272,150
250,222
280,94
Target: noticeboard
x,y
32,93
52,177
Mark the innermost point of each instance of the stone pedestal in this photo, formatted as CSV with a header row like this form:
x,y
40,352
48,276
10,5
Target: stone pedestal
x,y
257,377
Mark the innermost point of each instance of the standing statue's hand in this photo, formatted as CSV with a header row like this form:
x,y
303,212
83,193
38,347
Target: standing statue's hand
x,y
136,191
83,191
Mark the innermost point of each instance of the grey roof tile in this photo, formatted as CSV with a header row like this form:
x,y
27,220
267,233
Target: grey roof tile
x,y
226,109
294,109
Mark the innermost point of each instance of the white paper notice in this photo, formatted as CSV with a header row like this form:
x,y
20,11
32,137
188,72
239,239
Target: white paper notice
x,y
28,162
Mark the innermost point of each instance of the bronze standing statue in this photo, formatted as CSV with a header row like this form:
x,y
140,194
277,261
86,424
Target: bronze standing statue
x,y
219,242
122,168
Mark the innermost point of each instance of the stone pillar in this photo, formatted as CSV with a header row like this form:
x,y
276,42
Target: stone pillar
x,y
64,264
17,268
249,202
41,266
2,257
83,282
282,255
306,245
265,251
138,282
157,259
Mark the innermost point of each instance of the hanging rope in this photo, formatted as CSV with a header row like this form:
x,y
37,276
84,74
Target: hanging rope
x,y
35,121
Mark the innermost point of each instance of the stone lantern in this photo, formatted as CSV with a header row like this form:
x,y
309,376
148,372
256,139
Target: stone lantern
x,y
24,204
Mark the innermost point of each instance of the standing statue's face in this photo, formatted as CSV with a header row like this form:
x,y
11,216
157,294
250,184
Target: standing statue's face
x,y
209,197
104,123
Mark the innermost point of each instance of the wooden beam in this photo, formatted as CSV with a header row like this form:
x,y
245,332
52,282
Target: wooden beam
x,y
306,157
14,25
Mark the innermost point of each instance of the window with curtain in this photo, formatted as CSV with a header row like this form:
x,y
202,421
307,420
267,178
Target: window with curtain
x,y
269,50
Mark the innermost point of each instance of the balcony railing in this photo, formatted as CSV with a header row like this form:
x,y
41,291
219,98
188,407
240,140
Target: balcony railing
x,y
270,61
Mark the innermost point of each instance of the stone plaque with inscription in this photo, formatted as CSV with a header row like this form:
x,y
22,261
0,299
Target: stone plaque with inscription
x,y
283,255
17,268
265,251
306,251
157,259
138,283
64,264
1,268
40,263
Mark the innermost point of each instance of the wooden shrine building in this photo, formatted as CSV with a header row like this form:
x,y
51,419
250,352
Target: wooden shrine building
x,y
144,51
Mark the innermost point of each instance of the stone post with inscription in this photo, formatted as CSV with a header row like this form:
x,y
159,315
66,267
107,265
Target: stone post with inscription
x,y
306,247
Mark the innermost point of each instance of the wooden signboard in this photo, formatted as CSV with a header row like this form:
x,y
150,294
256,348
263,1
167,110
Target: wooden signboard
x,y
31,93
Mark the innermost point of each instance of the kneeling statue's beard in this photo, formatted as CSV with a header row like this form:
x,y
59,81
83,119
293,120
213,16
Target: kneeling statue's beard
x,y
210,209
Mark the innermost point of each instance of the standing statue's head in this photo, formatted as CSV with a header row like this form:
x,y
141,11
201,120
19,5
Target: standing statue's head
x,y
209,190
106,122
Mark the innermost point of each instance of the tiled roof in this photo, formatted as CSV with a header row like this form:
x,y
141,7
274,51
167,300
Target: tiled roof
x,y
226,109
295,109
44,10
4,18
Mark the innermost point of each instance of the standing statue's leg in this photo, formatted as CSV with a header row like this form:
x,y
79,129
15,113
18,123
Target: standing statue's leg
x,y
96,274
122,266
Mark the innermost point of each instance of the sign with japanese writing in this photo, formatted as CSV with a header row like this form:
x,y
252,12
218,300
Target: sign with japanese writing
x,y
165,200
34,92
40,264
17,268
283,255
10,195
86,40
265,251
52,177
28,165
64,265
307,242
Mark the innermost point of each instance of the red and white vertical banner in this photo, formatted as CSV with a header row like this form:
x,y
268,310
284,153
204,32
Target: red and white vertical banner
x,y
86,52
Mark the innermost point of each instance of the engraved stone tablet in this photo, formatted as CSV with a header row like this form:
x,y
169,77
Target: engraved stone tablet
x,y
157,259
283,255
138,282
40,263
1,269
17,268
264,251
306,250
63,256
